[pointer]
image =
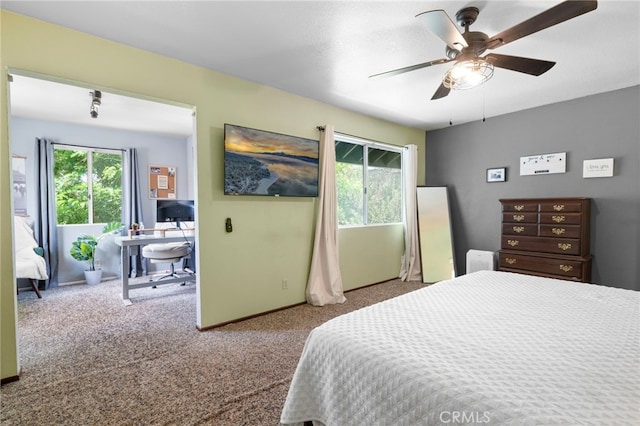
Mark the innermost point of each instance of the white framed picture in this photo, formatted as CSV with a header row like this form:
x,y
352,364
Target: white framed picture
x,y
19,169
601,167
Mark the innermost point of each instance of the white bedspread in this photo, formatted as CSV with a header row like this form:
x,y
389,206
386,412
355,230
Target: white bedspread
x,y
28,263
485,348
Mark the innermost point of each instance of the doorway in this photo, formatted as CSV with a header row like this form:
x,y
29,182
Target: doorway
x,y
161,131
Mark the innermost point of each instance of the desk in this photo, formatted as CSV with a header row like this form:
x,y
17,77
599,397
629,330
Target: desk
x,y
126,243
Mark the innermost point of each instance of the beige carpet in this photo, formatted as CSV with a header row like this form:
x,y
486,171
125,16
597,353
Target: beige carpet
x,y
89,360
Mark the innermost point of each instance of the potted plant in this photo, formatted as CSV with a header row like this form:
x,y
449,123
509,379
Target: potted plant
x,y
84,249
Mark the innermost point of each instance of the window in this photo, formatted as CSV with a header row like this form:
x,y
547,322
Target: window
x,y
88,185
369,182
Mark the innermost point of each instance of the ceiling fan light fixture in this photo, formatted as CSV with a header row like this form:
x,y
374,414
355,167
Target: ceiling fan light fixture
x,y
468,74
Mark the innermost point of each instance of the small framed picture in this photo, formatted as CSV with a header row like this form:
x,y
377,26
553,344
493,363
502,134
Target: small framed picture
x,y
498,174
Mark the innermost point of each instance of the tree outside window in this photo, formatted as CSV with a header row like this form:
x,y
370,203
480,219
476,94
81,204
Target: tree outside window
x,y
369,188
88,185
384,186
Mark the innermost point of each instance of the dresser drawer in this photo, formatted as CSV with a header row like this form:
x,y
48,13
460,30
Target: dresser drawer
x,y
517,217
547,237
561,207
561,218
562,268
561,231
520,207
520,229
546,245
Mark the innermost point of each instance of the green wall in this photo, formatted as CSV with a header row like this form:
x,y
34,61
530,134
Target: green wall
x,y
240,273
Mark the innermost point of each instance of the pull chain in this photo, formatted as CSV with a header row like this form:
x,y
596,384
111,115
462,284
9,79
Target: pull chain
x,y
484,99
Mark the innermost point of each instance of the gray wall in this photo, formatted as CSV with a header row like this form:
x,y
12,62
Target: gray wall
x,y
599,126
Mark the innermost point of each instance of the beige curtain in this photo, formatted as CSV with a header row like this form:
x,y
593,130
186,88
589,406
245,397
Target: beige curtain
x,y
410,269
324,286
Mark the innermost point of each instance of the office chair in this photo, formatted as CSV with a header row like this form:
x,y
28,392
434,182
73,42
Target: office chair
x,y
167,253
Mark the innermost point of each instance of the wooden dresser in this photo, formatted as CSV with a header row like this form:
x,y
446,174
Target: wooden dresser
x,y
548,237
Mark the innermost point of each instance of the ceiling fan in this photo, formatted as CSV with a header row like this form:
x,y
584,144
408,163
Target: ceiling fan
x,y
470,69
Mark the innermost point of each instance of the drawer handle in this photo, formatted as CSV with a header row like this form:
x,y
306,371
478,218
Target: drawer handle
x,y
510,260
558,207
566,268
513,243
558,219
518,208
518,229
518,217
558,231
564,246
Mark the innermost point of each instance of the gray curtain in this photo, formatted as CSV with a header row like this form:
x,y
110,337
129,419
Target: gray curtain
x,y
132,208
45,225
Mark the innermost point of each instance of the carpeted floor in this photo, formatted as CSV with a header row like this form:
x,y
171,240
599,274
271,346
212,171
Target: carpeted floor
x,y
89,360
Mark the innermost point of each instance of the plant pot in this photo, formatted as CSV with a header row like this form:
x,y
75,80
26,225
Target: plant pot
x,y
93,277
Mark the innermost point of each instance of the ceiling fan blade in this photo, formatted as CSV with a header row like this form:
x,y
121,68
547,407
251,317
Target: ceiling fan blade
x,y
550,17
411,68
440,24
517,63
441,92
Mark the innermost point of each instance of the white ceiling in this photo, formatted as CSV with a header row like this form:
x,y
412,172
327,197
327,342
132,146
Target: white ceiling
x,y
326,50
43,99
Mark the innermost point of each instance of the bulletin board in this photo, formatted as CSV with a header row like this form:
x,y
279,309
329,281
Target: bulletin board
x,y
162,182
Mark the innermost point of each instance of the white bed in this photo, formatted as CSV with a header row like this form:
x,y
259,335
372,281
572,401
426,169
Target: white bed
x,y
29,264
484,348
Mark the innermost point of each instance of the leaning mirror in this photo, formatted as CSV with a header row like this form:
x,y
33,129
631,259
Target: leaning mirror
x,y
436,241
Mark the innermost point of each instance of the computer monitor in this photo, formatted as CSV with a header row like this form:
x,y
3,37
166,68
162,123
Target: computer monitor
x,y
175,211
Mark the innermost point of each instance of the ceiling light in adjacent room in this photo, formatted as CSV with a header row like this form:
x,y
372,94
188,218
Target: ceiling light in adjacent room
x,y
96,100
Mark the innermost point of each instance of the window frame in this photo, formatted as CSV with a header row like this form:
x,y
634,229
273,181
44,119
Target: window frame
x,y
90,151
366,144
